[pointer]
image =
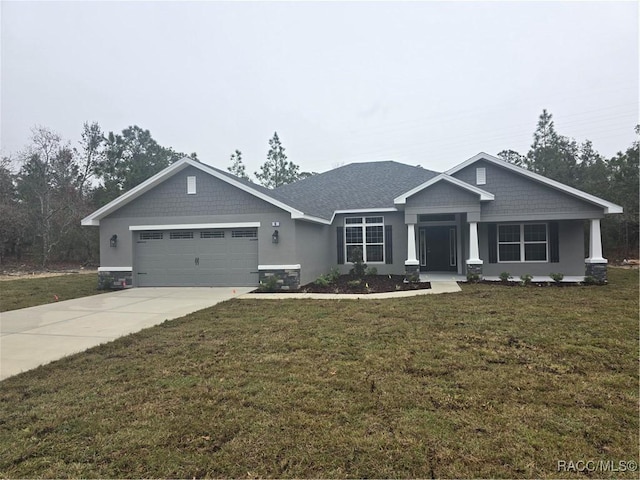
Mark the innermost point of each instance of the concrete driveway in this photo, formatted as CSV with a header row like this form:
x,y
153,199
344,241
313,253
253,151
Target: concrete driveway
x,y
37,335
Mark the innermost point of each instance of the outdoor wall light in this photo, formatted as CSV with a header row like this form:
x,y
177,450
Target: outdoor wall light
x,y
275,237
113,241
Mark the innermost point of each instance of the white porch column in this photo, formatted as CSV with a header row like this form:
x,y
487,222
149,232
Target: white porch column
x,y
595,243
412,259
474,250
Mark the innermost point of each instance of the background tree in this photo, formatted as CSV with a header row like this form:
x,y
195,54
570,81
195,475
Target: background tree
x,y
237,167
47,190
277,171
12,219
129,159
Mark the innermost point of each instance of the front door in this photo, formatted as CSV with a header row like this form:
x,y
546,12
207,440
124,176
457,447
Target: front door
x,y
438,249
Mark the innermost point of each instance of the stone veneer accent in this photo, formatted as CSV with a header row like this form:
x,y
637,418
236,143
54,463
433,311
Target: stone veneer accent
x,y
114,280
286,279
412,273
596,270
474,269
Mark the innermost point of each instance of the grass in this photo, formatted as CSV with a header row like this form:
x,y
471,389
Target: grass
x,y
29,292
495,381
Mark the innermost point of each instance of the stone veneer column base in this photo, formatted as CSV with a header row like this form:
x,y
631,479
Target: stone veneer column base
x,y
285,278
474,271
412,273
597,271
114,280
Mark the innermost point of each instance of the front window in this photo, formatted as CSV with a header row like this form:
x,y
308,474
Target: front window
x,y
366,234
522,242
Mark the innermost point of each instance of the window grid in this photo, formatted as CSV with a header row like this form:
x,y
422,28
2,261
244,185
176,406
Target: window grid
x,y
212,234
150,236
522,243
244,233
367,234
180,235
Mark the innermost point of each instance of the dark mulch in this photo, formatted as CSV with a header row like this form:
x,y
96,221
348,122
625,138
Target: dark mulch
x,y
369,284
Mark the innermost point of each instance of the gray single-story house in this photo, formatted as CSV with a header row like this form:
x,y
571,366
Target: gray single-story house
x,y
196,225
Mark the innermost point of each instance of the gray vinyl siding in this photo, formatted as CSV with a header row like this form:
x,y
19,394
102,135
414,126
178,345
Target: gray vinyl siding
x,y
313,250
213,197
399,232
443,194
571,243
520,198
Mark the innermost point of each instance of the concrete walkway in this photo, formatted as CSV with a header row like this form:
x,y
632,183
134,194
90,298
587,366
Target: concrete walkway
x,y
33,336
436,287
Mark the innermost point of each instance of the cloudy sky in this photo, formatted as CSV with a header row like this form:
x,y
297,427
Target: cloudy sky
x,y
428,83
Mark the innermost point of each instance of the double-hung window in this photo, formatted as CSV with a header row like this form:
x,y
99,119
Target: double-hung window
x,y
525,242
367,235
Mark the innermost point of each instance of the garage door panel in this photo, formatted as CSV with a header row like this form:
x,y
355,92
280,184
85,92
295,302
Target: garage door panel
x,y
197,258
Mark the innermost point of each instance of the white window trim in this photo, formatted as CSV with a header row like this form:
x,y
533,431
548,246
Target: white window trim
x,y
364,244
522,242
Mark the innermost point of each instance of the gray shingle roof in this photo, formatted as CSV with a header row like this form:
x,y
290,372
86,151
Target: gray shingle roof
x,y
355,186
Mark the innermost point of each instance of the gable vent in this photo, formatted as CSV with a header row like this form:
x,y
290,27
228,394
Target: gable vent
x,y
481,176
191,185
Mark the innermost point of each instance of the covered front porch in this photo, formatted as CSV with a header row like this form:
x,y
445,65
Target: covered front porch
x,y
445,247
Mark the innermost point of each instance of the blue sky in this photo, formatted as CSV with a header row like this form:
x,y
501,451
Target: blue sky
x,y
428,83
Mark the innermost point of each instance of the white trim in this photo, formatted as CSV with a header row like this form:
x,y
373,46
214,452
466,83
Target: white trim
x,y
94,218
193,226
368,211
363,226
609,207
279,267
115,269
484,195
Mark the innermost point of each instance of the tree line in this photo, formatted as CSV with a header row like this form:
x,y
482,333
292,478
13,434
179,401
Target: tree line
x,y
48,187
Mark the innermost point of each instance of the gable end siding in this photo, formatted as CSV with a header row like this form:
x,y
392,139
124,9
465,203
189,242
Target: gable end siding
x,y
516,195
442,194
214,197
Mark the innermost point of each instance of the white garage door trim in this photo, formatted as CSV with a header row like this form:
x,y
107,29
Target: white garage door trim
x,y
194,226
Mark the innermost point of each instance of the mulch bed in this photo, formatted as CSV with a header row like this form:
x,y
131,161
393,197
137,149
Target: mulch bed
x,y
369,284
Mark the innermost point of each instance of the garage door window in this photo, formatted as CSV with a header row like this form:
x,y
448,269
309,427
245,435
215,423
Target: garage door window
x,y
180,235
212,234
244,233
150,235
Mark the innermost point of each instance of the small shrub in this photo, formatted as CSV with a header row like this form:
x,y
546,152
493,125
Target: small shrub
x,y
333,275
505,277
371,271
359,267
526,279
473,277
322,281
557,277
269,285
354,283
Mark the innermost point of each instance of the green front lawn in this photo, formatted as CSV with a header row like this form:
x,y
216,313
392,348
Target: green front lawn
x,y
495,381
30,292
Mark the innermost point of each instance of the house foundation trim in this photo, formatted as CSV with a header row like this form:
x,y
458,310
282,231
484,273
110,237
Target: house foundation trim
x,y
279,277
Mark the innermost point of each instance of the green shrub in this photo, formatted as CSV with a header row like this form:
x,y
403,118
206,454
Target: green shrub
x,y
322,281
556,277
505,277
473,277
269,285
526,279
359,268
333,275
371,271
354,283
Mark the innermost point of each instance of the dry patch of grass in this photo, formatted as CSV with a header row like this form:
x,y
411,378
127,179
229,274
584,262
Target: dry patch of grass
x,y
492,382
29,292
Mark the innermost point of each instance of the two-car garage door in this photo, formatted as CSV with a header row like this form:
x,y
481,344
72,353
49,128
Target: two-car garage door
x,y
211,257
